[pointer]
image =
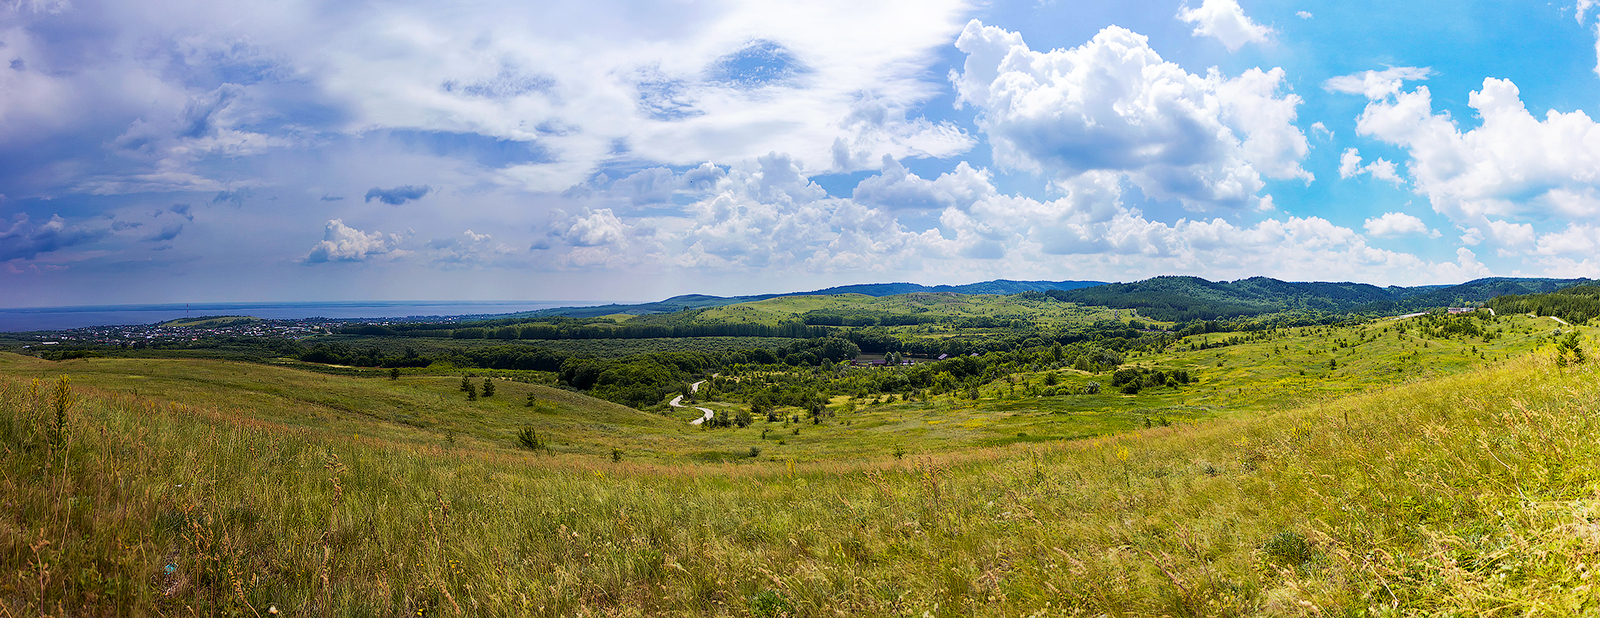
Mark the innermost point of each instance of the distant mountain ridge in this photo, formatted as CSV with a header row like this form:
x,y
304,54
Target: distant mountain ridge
x,y
1168,298
702,301
1179,299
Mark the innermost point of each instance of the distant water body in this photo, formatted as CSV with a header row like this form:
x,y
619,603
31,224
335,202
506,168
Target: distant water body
x,y
61,318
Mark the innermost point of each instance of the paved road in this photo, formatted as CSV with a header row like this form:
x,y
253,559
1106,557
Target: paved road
x,y
677,402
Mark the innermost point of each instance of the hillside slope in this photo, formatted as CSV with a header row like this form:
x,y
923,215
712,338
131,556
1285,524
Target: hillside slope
x,y
702,301
1472,494
1179,299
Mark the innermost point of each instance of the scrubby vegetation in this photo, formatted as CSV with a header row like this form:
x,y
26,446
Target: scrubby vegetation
x,y
1058,460
1467,494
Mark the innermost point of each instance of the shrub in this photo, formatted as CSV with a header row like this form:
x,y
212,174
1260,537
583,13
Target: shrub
x,y
755,451
488,387
529,439
1092,388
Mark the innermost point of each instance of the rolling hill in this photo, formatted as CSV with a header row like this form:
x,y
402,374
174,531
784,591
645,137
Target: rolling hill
x,y
703,301
1180,299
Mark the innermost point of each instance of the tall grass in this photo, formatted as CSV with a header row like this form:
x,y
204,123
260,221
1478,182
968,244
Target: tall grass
x,y
1472,494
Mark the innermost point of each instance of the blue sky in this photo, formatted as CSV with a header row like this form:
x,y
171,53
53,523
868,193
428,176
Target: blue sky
x,y
180,151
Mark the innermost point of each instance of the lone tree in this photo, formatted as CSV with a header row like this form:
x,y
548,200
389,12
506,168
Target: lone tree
x,y
466,383
394,373
531,400
529,439
488,387
472,392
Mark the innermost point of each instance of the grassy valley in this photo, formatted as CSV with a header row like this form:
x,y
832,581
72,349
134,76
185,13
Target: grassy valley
x,y
1068,460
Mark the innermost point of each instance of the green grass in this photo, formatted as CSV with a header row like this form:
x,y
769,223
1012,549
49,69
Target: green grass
x,y
941,304
1289,370
1465,494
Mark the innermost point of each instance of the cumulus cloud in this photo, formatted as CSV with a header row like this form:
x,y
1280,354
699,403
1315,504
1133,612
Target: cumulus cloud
x,y
1392,224
1303,14
1113,104
1224,21
25,240
398,195
470,249
896,188
342,243
1381,169
763,215
1513,164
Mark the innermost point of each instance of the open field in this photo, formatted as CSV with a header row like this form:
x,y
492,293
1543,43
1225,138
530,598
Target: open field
x,y
1039,311
1473,493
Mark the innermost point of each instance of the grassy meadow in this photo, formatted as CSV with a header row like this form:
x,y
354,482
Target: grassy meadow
x,y
1472,494
1386,468
1039,311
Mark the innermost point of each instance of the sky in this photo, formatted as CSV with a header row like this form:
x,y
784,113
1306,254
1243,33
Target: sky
x,y
202,151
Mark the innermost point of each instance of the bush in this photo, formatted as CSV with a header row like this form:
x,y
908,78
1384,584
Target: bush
x,y
488,387
529,439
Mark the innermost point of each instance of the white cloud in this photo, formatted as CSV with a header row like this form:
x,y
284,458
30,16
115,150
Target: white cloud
x,y
587,83
1582,8
1349,163
596,228
342,243
472,249
1321,130
1377,84
1381,169
1303,14
1511,235
763,216
1392,224
1597,48
1511,165
1226,22
1114,105
896,188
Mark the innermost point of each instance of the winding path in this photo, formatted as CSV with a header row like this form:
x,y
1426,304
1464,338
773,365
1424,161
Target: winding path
x,y
677,402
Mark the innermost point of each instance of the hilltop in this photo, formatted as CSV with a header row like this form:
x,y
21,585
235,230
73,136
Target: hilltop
x,y
1176,298
703,301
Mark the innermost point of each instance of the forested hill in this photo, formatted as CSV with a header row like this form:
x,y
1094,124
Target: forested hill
x,y
702,301
998,286
1181,299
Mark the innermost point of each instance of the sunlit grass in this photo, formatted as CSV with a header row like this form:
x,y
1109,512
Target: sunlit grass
x,y
1473,494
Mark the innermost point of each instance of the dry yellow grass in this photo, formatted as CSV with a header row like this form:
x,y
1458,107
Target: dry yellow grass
x,y
1475,494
